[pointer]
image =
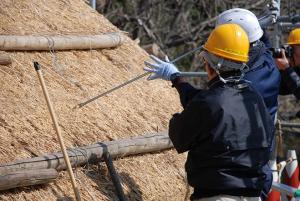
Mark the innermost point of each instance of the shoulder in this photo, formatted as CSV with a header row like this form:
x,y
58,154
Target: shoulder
x,y
207,95
203,99
210,100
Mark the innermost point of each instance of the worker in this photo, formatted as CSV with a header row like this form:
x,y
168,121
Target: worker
x,y
263,73
226,129
290,68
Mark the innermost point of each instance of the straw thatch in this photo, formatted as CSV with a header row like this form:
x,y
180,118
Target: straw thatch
x,y
73,76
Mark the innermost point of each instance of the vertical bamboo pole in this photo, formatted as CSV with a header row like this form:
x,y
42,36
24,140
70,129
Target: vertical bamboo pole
x,y
57,129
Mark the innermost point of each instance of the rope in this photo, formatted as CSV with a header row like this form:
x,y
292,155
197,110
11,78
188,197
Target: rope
x,y
76,156
78,178
55,63
51,44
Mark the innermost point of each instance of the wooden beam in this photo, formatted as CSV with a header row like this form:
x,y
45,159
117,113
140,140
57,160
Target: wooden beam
x,y
5,59
64,42
27,178
92,153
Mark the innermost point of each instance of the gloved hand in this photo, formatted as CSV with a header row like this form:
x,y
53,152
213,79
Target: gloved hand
x,y
160,69
274,8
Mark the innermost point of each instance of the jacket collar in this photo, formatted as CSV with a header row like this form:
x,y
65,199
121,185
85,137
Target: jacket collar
x,y
215,82
255,55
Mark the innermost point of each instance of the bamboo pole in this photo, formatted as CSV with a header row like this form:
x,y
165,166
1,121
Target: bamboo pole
x,y
57,129
27,178
5,59
290,124
66,42
33,171
92,154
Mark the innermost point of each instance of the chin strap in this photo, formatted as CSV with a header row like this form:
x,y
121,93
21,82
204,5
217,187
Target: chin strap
x,y
243,68
218,63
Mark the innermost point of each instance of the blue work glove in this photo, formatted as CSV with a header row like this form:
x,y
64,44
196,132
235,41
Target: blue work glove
x,y
160,69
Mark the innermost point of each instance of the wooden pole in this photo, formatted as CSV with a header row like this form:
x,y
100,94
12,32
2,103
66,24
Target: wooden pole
x,y
5,59
57,129
93,153
27,178
21,171
65,42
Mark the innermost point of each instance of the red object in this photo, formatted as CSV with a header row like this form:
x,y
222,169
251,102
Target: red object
x,y
292,171
274,195
293,180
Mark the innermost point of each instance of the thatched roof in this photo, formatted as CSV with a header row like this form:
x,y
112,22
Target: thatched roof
x,y
74,76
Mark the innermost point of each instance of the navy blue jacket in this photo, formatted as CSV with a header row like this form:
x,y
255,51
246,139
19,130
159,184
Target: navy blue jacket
x,y
228,132
264,75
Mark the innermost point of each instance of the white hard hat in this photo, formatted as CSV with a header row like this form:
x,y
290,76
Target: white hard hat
x,y
245,18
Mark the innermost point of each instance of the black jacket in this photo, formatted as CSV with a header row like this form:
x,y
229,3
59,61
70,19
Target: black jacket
x,y
227,131
290,82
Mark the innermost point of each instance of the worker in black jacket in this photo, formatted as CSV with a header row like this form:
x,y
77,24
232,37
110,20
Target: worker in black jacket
x,y
290,69
226,129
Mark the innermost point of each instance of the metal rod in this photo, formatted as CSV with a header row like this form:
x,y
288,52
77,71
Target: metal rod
x,y
181,74
281,21
187,53
187,74
266,21
192,74
285,189
290,25
113,89
289,124
57,129
114,177
290,19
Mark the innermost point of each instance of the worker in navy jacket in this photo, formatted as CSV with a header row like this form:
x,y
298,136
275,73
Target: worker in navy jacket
x,y
227,129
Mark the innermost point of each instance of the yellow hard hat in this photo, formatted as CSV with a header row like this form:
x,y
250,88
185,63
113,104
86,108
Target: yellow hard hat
x,y
229,41
294,37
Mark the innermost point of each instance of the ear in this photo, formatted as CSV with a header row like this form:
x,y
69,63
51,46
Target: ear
x,y
211,73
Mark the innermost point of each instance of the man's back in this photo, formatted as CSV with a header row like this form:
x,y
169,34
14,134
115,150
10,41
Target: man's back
x,y
227,131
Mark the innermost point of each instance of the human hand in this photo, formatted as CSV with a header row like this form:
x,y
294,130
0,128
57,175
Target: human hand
x,y
282,63
160,69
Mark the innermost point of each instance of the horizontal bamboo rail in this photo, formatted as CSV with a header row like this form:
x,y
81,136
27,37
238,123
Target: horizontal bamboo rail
x,y
60,42
92,153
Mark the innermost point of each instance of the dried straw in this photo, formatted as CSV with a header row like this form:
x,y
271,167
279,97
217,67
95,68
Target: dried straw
x,y
73,76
